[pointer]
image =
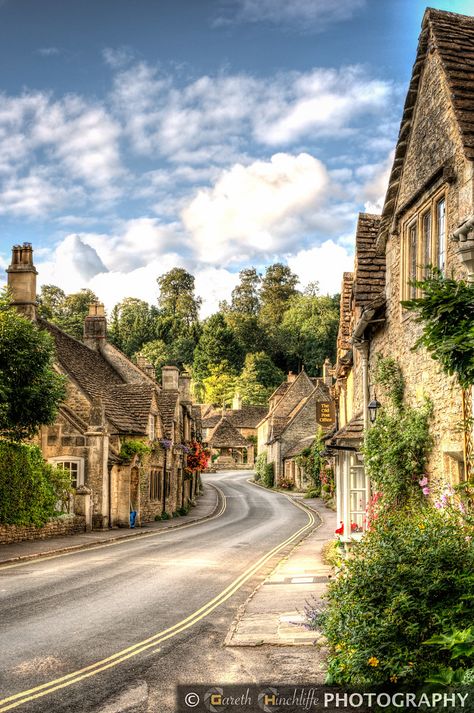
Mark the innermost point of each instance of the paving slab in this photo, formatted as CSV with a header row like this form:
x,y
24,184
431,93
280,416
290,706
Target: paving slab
x,y
274,614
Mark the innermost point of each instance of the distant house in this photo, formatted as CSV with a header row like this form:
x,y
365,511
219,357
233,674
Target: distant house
x,y
241,428
297,409
113,407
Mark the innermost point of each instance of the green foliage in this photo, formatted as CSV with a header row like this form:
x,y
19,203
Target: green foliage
x,y
268,478
177,297
216,345
30,388
260,465
30,488
67,311
309,330
246,295
446,312
258,378
277,286
396,448
286,484
220,385
165,516
311,462
129,449
392,611
132,325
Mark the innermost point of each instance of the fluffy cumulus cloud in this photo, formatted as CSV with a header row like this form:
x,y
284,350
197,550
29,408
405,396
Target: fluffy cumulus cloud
x,y
310,15
253,209
323,264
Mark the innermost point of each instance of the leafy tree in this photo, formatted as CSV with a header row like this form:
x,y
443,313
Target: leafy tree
x,y
133,325
258,378
67,311
216,345
30,388
219,386
51,302
245,297
177,296
248,331
278,286
309,329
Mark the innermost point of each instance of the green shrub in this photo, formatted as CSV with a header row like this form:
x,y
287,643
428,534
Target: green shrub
x,y
269,475
312,493
260,463
129,449
183,511
409,579
286,484
30,488
165,516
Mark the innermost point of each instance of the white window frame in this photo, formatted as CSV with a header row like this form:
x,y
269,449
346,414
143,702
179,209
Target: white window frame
x,y
60,460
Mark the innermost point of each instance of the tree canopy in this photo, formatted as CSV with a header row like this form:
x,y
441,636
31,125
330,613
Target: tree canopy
x,y
30,389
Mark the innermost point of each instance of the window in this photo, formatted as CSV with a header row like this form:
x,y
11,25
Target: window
x,y
75,467
441,233
156,476
423,243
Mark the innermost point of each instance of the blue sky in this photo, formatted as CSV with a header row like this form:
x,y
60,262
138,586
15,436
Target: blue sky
x,y
210,134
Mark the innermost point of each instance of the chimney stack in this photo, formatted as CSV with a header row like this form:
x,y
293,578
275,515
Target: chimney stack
x,y
95,326
146,366
237,402
327,372
170,378
291,377
184,382
22,280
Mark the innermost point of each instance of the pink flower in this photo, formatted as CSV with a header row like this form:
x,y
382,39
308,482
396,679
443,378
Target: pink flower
x,y
423,482
426,491
438,506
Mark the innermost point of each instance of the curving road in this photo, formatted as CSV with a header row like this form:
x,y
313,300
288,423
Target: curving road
x,y
116,628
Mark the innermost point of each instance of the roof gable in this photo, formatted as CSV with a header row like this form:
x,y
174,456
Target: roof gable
x,y
451,37
225,435
369,268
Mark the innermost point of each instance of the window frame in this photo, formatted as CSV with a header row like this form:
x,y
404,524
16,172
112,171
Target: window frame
x,y
415,219
60,460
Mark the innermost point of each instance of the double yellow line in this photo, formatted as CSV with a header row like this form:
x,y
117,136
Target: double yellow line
x,y
69,679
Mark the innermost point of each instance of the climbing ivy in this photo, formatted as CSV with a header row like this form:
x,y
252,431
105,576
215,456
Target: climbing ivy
x,y
129,449
396,448
311,461
446,312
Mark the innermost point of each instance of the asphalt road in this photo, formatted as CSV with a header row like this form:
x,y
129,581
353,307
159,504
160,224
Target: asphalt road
x,y
115,629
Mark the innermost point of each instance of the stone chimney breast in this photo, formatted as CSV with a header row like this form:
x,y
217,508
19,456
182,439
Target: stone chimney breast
x,y
170,378
185,387
95,326
22,280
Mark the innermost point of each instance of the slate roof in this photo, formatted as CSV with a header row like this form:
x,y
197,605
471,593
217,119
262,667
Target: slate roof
x,y
248,416
127,406
167,400
350,435
345,313
227,436
453,37
297,448
369,267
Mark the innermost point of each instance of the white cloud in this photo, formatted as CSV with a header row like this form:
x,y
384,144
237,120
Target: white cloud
x,y
310,15
34,195
214,285
323,264
255,209
48,51
375,186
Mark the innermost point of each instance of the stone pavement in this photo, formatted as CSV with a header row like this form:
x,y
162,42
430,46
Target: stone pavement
x,y
206,506
274,612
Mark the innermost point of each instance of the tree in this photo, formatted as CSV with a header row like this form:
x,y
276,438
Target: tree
x,y
30,389
133,325
309,330
246,297
177,296
217,344
67,311
51,302
278,286
258,378
219,385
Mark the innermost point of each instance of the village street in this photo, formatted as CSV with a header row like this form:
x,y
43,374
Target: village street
x,y
63,615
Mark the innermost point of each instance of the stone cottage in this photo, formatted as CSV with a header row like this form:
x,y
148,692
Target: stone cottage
x,y
429,201
113,410
297,409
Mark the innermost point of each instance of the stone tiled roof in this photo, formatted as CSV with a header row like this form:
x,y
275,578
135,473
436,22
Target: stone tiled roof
x,y
369,268
452,35
297,448
167,400
227,436
345,313
246,417
127,406
350,435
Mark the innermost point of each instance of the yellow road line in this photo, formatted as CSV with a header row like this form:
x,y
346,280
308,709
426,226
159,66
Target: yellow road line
x,y
124,540
69,679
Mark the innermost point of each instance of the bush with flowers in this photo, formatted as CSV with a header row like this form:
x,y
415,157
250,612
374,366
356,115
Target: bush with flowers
x,y
410,579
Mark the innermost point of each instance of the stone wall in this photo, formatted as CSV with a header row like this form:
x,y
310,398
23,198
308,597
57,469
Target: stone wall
x,y
63,525
435,139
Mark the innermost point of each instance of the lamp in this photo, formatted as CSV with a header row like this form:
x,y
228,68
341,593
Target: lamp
x,y
373,408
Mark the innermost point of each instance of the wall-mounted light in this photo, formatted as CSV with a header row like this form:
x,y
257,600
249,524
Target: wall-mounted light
x,y
373,408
